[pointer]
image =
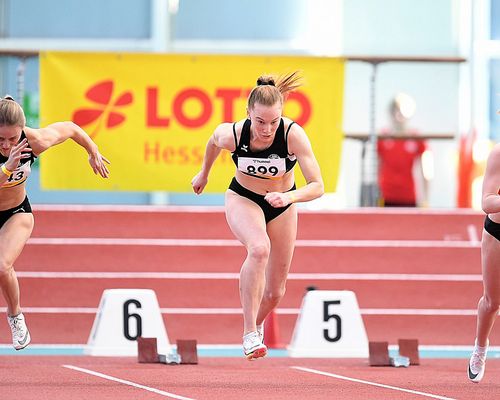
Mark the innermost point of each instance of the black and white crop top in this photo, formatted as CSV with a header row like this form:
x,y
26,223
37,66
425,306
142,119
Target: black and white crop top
x,y
23,170
273,162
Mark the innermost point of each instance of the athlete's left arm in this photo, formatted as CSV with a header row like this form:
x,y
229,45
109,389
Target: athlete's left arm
x,y
299,144
56,133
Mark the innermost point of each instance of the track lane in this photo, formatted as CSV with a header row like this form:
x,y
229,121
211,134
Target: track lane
x,y
465,260
212,329
204,222
225,293
234,378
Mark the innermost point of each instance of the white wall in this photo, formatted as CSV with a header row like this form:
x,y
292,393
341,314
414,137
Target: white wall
x,y
402,28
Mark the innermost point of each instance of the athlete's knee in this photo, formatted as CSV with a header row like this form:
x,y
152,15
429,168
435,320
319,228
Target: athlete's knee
x,y
6,268
275,295
259,253
489,304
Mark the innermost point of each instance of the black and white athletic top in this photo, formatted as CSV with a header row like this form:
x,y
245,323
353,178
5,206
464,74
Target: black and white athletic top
x,y
269,163
23,170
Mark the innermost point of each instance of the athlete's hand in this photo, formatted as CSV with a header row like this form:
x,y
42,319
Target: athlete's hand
x,y
277,199
199,182
98,163
17,153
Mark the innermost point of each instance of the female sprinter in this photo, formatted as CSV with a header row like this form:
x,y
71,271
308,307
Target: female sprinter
x,y
19,147
260,200
489,303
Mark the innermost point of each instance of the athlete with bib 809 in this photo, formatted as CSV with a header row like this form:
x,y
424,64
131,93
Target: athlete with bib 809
x,y
260,200
19,147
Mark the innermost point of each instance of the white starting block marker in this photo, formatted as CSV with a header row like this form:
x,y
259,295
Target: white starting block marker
x,y
329,325
123,316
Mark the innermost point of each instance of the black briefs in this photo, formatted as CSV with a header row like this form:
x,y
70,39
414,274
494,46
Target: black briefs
x,y
24,207
269,211
492,228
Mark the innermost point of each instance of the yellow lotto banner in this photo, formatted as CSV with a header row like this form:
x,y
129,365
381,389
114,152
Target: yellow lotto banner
x,y
152,114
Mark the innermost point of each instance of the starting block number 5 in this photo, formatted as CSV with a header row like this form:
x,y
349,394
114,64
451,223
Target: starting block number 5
x,y
122,317
329,325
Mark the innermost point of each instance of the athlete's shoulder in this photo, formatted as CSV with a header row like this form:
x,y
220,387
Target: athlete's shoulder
x,y
292,127
223,136
31,133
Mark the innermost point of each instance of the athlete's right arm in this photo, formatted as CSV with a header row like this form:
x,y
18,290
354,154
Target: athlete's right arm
x,y
222,138
18,152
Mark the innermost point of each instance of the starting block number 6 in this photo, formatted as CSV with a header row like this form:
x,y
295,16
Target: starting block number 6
x,y
329,325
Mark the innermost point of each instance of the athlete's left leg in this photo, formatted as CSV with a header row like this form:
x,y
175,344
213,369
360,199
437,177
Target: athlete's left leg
x,y
282,232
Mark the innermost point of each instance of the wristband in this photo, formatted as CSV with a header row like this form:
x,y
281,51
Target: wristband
x,y
6,171
292,197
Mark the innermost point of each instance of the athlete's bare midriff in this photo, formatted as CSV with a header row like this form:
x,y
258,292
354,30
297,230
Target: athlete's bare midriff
x,y
263,186
12,197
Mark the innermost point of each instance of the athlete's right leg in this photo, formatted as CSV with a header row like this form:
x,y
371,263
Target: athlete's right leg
x,y
13,236
488,304
246,220
490,301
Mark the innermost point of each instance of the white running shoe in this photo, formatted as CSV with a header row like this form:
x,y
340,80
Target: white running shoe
x,y
253,346
20,334
477,363
260,330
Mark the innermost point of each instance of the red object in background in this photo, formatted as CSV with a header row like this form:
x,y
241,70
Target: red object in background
x,y
272,332
396,157
465,169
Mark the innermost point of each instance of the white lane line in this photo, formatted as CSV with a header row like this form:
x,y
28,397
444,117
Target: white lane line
x,y
314,371
417,311
472,232
235,276
301,208
129,383
235,243
237,311
91,208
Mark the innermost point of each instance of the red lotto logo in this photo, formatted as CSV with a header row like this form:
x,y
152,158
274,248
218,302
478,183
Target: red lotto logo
x,y
104,110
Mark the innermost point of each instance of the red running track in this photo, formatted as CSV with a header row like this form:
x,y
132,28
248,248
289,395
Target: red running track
x,y
209,223
47,378
427,242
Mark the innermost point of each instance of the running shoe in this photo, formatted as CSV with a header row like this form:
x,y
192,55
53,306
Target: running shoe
x,y
260,330
477,363
20,334
253,346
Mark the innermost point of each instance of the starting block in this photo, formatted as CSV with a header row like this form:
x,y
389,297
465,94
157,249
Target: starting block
x,y
170,359
409,348
187,351
379,354
147,350
408,354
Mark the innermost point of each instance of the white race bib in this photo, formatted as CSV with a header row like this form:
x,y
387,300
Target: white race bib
x,y
263,167
19,175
